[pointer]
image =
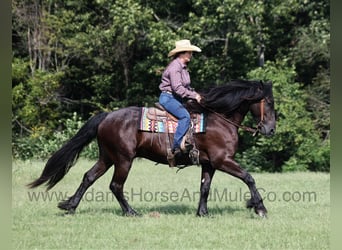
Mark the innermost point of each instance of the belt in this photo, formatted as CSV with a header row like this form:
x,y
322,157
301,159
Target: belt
x,y
167,92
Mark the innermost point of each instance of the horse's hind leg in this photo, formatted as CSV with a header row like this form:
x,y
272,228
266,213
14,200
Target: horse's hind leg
x,y
89,178
117,184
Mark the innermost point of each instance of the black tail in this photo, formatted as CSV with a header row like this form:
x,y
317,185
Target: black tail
x,y
63,159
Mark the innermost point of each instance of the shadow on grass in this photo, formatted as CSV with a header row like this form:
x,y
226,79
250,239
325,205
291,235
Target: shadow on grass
x,y
173,209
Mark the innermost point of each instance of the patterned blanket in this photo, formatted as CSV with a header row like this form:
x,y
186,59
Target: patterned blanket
x,y
198,121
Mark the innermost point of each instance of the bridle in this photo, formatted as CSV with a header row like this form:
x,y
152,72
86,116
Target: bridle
x,y
255,131
262,109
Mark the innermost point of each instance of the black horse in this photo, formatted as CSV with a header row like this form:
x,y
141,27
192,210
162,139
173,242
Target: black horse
x,y
120,141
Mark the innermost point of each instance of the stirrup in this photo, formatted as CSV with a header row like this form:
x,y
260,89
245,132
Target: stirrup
x,y
194,156
186,146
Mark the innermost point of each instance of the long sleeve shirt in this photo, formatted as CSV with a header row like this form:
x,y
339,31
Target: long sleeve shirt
x,y
176,79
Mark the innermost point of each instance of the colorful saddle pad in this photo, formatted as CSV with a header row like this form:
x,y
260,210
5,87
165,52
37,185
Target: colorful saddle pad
x,y
158,125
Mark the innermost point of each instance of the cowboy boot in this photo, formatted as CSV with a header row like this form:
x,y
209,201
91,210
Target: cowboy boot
x,y
172,155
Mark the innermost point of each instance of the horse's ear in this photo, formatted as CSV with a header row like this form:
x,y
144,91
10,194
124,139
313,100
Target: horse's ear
x,y
262,85
268,82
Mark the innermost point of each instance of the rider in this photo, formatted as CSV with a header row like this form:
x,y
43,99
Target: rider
x,y
175,87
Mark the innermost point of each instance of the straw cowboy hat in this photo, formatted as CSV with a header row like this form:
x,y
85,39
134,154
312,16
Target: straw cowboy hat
x,y
183,45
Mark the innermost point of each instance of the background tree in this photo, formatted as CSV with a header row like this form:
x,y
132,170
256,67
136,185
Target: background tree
x,y
80,57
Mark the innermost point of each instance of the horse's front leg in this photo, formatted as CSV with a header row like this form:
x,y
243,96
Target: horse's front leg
x,y
256,200
233,168
206,178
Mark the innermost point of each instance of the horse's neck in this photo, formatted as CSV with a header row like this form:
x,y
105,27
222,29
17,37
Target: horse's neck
x,y
239,115
237,118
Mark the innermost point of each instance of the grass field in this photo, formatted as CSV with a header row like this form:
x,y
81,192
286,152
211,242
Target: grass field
x,y
298,206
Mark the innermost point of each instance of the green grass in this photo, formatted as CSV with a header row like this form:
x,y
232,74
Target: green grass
x,y
298,205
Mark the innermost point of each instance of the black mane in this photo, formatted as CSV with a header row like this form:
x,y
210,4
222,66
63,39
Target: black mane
x,y
227,98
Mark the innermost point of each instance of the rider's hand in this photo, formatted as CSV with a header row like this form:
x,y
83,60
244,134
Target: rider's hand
x,y
198,98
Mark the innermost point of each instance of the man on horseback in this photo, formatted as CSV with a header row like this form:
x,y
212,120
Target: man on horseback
x,y
175,88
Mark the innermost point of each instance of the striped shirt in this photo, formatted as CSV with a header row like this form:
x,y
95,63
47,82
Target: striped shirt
x,y
176,79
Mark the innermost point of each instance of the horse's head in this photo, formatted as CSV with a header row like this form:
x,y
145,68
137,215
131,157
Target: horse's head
x,y
263,111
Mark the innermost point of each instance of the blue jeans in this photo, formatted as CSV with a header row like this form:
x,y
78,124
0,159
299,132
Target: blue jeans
x,y
176,108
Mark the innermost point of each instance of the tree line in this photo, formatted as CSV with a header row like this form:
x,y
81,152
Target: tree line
x,y
72,59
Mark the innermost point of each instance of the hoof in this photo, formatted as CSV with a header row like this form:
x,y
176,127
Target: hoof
x,y
131,213
65,205
202,213
262,214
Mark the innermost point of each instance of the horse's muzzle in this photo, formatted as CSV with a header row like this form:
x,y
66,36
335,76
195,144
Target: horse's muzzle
x,y
265,129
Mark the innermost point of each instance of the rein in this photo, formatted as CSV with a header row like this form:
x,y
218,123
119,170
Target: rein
x,y
255,131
